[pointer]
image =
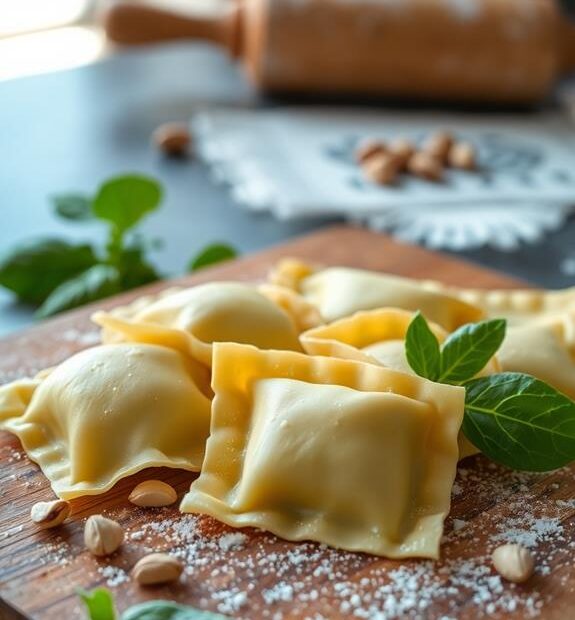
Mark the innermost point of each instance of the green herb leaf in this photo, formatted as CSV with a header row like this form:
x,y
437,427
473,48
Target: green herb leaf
x,y
520,422
124,201
98,282
75,207
100,604
212,254
32,270
166,610
468,350
422,349
136,270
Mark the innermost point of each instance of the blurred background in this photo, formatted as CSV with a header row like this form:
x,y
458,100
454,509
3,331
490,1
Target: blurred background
x,y
37,36
274,127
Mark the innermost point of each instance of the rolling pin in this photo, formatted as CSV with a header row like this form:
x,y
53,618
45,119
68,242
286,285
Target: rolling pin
x,y
504,51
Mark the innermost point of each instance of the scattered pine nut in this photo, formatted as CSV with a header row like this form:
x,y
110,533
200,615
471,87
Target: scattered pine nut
x,y
153,493
462,155
50,514
513,562
424,165
102,536
173,139
438,145
402,149
381,169
157,568
367,149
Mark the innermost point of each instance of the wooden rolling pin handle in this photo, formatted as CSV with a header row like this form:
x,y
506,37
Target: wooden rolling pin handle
x,y
567,46
132,23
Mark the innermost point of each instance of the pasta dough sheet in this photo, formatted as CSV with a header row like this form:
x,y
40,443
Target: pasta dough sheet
x,y
338,292
345,453
108,412
377,337
190,320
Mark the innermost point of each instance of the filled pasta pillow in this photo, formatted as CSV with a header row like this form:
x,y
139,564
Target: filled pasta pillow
x,y
540,337
345,453
190,320
338,292
543,348
373,336
108,412
378,337
517,306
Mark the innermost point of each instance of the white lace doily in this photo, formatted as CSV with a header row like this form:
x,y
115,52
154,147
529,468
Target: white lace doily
x,y
501,226
298,162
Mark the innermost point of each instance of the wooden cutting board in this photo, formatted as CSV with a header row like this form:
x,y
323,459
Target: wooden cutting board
x,y
255,575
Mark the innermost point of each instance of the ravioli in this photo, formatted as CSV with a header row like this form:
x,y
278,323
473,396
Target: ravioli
x,y
345,453
190,320
517,306
338,292
377,337
108,412
545,349
540,337
373,336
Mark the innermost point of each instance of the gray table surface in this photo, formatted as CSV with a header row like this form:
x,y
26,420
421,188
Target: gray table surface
x,y
72,129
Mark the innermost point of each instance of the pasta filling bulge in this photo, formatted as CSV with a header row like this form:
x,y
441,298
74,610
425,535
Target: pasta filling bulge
x,y
190,320
350,454
108,412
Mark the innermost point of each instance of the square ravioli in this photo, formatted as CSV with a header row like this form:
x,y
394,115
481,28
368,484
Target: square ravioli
x,y
373,336
346,453
191,319
338,292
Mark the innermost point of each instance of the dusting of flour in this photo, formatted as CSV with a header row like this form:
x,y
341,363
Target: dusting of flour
x,y
246,573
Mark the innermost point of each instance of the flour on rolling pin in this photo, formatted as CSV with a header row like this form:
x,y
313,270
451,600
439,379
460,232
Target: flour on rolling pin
x,y
476,50
299,162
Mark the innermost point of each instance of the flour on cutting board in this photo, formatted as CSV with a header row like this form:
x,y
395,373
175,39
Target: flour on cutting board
x,y
226,566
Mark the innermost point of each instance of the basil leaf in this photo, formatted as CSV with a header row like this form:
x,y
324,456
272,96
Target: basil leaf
x,y
100,604
212,254
136,270
520,422
96,283
32,270
75,207
468,350
422,349
124,201
167,610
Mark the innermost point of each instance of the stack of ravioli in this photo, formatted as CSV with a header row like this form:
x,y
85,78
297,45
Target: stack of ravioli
x,y
293,400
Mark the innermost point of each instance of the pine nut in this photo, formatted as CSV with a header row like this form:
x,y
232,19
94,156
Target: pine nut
x,y
513,562
102,536
50,514
153,493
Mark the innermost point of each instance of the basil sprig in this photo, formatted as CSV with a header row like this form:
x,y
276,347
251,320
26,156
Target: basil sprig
x,y
422,349
215,253
100,606
513,418
57,275
167,610
520,421
464,354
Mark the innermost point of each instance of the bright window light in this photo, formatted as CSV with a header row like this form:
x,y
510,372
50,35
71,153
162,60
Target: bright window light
x,y
18,16
49,50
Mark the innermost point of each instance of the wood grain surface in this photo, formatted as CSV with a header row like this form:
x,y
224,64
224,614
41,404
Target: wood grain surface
x,y
258,575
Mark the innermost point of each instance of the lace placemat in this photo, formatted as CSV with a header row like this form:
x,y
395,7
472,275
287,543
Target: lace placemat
x,y
298,162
